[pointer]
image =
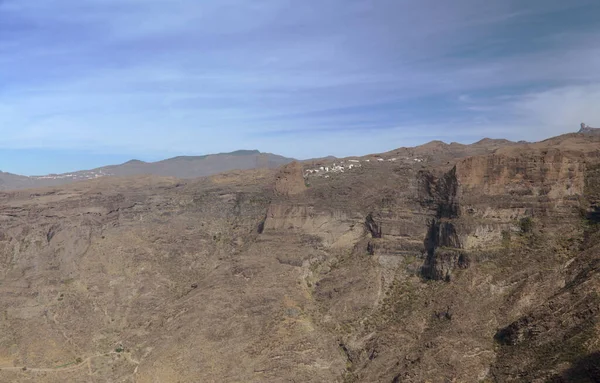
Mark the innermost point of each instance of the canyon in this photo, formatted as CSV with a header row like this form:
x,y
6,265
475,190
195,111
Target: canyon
x,y
476,263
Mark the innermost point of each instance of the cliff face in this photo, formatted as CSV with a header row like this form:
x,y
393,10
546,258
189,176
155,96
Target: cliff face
x,y
442,242
485,268
552,173
558,340
502,233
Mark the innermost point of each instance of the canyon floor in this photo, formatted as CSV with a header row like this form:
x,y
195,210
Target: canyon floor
x,y
441,263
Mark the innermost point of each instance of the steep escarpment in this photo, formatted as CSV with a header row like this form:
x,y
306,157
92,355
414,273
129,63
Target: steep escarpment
x,y
554,173
542,183
558,341
502,229
592,195
442,243
443,252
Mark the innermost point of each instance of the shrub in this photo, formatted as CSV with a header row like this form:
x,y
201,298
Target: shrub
x,y
526,225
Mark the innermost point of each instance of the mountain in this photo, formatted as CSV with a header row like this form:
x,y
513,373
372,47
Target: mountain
x,y
179,167
198,166
13,181
441,263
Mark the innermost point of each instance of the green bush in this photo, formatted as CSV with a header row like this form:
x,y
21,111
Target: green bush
x,y
526,225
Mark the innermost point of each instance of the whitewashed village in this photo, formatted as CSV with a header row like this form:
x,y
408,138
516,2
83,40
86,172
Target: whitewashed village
x,y
79,176
342,166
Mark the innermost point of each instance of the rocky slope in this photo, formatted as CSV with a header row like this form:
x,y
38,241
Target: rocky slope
x,y
463,266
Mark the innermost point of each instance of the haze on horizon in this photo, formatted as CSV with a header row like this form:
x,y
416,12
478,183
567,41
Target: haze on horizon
x,y
86,84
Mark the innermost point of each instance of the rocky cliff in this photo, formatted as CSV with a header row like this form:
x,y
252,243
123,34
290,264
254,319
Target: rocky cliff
x,y
481,267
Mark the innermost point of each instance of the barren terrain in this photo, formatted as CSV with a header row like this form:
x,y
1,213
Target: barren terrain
x,y
442,263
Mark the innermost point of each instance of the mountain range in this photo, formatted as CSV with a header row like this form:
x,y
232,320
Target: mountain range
x,y
179,167
187,167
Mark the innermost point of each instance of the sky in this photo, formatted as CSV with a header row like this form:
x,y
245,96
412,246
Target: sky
x,y
96,82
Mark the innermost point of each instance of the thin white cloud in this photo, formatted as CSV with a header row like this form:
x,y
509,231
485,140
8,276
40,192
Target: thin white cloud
x,y
294,77
559,109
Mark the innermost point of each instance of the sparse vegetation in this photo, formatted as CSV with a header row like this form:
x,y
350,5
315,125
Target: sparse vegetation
x,y
526,225
506,238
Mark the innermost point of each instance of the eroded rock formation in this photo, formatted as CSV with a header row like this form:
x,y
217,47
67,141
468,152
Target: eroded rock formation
x,y
589,130
290,180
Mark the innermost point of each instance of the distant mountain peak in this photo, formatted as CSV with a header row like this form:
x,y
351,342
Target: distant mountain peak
x,y
492,141
434,143
243,152
133,162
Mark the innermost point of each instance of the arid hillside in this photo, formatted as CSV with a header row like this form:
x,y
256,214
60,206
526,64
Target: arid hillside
x,y
442,263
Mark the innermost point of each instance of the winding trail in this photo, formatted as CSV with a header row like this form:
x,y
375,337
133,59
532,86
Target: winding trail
x,y
71,367
74,367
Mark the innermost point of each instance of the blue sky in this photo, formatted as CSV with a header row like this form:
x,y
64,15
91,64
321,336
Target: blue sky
x,y
95,82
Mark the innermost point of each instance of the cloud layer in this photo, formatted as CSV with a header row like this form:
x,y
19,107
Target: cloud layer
x,y
156,77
